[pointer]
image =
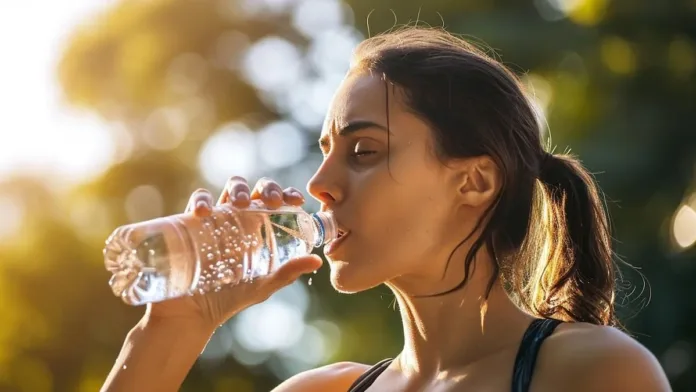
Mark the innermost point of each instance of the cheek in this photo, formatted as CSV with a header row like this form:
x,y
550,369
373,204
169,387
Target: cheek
x,y
398,222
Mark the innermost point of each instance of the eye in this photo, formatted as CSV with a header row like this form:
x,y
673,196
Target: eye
x,y
362,149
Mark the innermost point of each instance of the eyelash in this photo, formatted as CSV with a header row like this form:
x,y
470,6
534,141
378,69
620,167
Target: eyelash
x,y
362,153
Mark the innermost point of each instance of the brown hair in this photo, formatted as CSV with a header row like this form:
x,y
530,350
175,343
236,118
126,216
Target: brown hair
x,y
547,230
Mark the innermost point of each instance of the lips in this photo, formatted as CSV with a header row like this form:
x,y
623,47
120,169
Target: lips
x,y
333,245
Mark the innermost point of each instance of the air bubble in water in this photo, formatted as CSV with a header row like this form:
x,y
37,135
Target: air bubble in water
x,y
151,252
217,232
210,256
227,251
125,367
309,282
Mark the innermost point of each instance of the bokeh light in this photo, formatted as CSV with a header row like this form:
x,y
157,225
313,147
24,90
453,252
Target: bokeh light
x,y
231,150
684,226
313,17
165,129
618,55
681,57
281,144
269,326
272,64
678,358
144,202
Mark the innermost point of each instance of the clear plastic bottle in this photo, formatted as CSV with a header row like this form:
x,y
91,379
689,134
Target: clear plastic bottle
x,y
183,254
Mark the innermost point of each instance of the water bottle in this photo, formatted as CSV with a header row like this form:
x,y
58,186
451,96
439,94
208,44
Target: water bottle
x,y
183,254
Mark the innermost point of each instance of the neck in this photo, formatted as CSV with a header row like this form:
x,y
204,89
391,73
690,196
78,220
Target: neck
x,y
449,331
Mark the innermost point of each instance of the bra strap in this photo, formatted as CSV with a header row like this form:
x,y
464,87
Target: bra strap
x,y
366,379
536,333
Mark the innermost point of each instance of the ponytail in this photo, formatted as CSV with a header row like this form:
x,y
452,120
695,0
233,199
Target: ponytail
x,y
570,271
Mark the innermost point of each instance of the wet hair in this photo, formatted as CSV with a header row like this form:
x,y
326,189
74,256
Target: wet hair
x,y
547,229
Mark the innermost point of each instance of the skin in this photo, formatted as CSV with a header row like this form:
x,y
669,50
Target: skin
x,y
404,211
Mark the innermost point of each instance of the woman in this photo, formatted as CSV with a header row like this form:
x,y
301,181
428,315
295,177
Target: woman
x,y
499,253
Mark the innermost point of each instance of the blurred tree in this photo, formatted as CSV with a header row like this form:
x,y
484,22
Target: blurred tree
x,y
616,80
139,56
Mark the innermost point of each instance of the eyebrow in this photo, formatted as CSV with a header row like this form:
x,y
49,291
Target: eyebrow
x,y
353,127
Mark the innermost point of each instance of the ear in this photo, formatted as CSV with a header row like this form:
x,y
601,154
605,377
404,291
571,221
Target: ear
x,y
479,180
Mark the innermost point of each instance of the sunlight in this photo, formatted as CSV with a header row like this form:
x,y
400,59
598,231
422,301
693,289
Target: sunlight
x,y
63,146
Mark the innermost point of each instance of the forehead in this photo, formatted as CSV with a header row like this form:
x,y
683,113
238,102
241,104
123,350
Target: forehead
x,y
361,96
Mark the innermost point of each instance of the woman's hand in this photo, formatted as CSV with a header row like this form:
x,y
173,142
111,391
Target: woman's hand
x,y
214,308
160,350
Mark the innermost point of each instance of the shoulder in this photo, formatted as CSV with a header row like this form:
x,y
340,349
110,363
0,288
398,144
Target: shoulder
x,y
599,358
334,377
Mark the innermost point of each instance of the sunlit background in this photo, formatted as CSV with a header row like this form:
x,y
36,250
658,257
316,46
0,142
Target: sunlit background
x,y
114,111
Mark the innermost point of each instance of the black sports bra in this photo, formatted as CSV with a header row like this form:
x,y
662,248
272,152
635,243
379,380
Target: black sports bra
x,y
533,337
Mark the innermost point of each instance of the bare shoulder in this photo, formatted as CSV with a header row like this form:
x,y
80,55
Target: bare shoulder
x,y
334,377
586,357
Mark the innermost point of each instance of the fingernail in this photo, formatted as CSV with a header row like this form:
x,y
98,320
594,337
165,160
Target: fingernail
x,y
274,195
297,194
201,204
241,196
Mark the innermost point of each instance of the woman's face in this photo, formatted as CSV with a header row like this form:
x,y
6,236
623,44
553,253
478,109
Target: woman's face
x,y
395,198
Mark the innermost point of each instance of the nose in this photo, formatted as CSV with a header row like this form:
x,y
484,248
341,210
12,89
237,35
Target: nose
x,y
325,186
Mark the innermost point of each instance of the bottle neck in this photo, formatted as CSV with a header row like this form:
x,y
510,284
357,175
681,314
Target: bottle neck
x,y
325,228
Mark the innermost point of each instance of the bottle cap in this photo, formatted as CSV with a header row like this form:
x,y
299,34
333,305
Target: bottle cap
x,y
326,227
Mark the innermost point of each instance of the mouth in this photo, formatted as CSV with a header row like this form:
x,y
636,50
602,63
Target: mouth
x,y
333,245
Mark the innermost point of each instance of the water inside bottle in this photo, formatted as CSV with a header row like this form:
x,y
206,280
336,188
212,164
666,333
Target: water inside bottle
x,y
183,255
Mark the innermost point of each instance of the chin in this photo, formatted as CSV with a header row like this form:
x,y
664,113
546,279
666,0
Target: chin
x,y
350,279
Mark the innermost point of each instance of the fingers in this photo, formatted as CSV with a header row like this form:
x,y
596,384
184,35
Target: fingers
x,y
236,192
293,269
269,192
293,197
200,202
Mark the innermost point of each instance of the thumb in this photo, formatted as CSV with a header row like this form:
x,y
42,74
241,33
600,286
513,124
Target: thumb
x,y
296,267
